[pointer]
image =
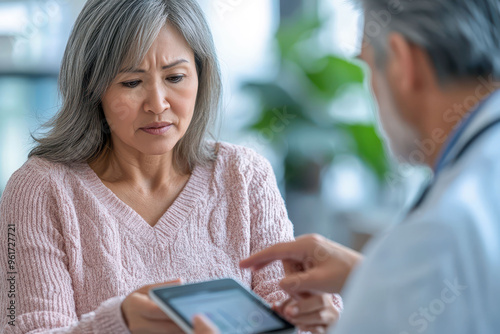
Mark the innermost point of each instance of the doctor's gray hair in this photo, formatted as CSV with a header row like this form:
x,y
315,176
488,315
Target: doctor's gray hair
x,y
461,37
110,35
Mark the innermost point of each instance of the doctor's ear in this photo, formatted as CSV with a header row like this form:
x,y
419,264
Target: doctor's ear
x,y
409,68
401,65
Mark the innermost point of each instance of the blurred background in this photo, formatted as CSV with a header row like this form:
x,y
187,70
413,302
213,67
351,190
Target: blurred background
x,y
292,91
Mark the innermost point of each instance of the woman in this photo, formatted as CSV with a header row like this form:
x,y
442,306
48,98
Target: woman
x,y
124,191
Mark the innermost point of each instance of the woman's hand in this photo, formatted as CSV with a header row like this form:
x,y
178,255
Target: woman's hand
x,y
314,313
203,326
143,316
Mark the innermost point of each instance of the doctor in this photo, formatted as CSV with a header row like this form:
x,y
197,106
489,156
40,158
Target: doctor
x,y
435,71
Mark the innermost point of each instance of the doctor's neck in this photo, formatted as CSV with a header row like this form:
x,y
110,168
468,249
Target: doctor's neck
x,y
444,110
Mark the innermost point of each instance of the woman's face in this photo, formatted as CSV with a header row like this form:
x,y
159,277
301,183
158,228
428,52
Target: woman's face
x,y
149,108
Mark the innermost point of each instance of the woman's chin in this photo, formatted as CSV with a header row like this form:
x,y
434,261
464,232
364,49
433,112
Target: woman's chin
x,y
157,146
156,150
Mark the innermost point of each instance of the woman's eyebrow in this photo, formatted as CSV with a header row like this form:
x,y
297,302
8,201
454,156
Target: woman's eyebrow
x,y
175,63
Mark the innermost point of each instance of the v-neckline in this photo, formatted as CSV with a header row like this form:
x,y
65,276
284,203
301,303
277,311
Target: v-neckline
x,y
172,219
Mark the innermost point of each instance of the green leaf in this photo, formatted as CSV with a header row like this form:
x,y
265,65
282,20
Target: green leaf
x,y
280,111
272,95
294,31
369,147
329,74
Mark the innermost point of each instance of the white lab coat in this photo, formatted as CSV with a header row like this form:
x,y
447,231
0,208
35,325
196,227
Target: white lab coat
x,y
438,271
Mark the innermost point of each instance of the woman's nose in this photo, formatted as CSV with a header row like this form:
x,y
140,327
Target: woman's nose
x,y
157,99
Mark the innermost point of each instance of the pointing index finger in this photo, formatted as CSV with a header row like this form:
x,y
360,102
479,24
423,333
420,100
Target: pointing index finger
x,y
282,251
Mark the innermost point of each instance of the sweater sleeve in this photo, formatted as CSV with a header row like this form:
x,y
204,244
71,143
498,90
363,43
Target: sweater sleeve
x,y
40,296
269,225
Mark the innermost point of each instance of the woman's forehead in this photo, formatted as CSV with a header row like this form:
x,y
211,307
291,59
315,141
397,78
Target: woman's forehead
x,y
167,50
170,42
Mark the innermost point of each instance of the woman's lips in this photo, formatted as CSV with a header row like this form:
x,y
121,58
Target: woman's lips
x,y
157,131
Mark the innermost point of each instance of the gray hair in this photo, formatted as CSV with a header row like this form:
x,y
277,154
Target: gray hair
x,y
107,36
461,37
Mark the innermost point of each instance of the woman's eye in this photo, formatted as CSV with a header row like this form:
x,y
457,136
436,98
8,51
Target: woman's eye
x,y
176,79
131,84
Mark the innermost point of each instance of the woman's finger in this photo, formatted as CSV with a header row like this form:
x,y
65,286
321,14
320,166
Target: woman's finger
x,y
147,308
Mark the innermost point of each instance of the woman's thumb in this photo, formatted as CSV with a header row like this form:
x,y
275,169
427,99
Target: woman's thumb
x,y
203,326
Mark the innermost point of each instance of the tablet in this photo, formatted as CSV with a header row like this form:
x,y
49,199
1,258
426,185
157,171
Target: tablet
x,y
229,305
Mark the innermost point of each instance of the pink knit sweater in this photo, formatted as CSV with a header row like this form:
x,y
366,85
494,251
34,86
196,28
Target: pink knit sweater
x,y
79,250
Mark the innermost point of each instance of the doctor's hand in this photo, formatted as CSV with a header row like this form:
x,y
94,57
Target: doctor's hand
x,y
142,315
313,264
312,313
203,326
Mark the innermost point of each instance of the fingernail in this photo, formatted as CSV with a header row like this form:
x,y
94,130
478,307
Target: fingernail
x,y
293,311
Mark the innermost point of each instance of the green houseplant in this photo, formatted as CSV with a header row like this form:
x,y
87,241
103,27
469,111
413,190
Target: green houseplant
x,y
307,82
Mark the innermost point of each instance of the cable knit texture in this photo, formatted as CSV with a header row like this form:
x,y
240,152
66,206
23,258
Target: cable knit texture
x,y
79,250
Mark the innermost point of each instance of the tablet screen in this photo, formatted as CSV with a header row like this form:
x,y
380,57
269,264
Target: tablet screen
x,y
230,310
